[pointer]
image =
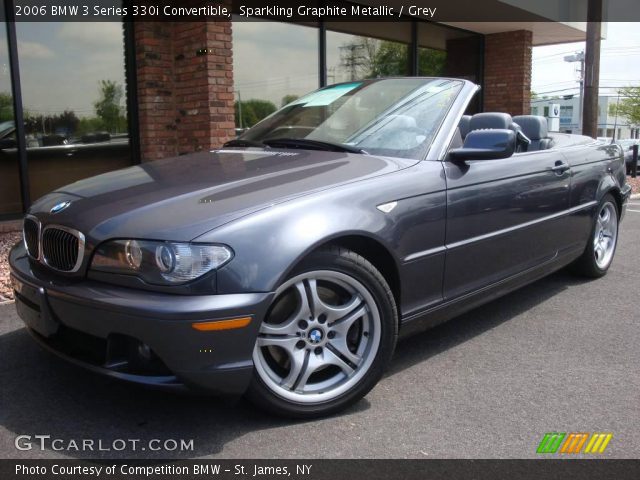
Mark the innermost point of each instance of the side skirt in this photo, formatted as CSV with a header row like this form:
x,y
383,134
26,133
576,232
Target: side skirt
x,y
421,321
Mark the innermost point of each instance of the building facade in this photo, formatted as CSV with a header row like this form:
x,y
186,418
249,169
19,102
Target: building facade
x,y
570,121
79,99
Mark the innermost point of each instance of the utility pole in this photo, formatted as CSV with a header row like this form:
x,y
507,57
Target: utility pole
x,y
578,57
352,58
592,69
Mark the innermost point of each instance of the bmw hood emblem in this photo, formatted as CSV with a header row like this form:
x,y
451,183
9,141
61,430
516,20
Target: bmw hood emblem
x,y
57,208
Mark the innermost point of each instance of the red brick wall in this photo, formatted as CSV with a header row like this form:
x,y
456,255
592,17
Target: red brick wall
x,y
507,72
185,98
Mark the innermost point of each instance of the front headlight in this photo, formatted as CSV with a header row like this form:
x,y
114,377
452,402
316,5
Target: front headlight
x,y
160,263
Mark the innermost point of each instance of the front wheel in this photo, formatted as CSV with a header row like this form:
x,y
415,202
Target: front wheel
x,y
326,338
599,252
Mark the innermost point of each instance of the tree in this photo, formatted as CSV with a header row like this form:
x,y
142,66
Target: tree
x,y
6,107
287,99
628,106
371,58
253,111
65,123
108,106
431,62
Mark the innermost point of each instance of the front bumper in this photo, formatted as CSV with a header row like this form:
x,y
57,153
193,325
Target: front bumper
x,y
140,336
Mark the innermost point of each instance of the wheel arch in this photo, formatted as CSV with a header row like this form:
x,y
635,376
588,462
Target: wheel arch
x,y
617,195
367,246
608,185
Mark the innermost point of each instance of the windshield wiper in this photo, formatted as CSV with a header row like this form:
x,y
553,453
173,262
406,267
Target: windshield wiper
x,y
237,142
312,144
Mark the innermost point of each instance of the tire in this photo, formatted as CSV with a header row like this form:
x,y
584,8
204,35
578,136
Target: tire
x,y
327,337
603,240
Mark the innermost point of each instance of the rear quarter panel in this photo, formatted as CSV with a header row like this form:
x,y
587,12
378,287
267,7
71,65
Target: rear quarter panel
x,y
596,169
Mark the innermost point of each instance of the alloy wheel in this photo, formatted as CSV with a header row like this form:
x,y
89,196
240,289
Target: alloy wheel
x,y
605,235
319,338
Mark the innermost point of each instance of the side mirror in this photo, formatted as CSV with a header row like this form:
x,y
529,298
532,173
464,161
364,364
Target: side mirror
x,y
486,145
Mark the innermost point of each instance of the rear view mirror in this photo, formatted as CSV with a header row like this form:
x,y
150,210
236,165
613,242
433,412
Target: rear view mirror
x,y
486,145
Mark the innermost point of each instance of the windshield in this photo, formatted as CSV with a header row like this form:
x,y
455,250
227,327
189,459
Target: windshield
x,y
396,117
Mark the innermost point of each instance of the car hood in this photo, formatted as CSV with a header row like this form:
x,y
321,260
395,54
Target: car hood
x,y
183,197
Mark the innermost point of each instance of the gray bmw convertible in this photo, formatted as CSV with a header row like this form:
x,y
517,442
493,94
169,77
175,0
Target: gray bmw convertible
x,y
285,265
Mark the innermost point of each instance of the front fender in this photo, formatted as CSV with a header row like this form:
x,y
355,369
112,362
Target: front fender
x,y
268,245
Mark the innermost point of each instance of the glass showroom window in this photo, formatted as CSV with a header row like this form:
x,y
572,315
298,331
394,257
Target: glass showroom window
x,y
73,93
355,57
273,64
10,202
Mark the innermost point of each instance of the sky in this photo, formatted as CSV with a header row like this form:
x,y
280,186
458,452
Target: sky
x,y
619,63
61,64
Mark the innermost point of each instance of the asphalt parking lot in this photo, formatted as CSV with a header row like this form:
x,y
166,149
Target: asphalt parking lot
x,y
559,355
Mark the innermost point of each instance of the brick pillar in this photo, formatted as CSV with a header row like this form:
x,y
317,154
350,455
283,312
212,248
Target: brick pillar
x,y
507,72
185,87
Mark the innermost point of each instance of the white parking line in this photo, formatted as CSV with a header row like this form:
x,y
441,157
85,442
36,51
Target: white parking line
x,y
634,211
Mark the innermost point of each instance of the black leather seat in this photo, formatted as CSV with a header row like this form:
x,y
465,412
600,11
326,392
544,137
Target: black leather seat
x,y
491,120
535,127
499,120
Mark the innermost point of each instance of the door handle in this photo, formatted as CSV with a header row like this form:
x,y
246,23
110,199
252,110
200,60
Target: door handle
x,y
560,167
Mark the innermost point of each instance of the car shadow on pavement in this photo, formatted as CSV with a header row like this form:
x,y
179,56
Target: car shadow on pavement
x,y
422,346
43,395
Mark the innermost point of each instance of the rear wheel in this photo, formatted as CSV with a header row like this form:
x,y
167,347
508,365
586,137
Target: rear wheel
x,y
601,248
326,338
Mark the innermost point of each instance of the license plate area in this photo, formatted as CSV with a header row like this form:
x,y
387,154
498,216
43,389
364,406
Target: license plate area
x,y
33,308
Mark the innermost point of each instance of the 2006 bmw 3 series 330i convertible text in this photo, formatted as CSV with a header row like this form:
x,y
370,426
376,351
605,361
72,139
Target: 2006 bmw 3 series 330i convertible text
x,y
285,265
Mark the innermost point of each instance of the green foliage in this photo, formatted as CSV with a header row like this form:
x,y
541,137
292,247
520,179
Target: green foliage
x,y
253,111
6,107
371,58
108,107
386,59
287,99
90,125
629,105
431,62
65,122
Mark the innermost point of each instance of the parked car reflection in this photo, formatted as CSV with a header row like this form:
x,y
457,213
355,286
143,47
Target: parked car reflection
x,y
56,159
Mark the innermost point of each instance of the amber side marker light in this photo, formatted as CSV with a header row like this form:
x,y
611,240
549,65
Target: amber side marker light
x,y
229,324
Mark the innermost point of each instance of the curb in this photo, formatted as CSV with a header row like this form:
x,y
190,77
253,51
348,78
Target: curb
x,y
635,196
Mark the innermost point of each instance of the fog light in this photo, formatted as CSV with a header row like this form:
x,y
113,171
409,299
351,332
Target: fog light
x,y
144,351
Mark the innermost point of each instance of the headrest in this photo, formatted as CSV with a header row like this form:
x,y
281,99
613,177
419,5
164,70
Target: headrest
x,y
533,126
490,120
465,121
